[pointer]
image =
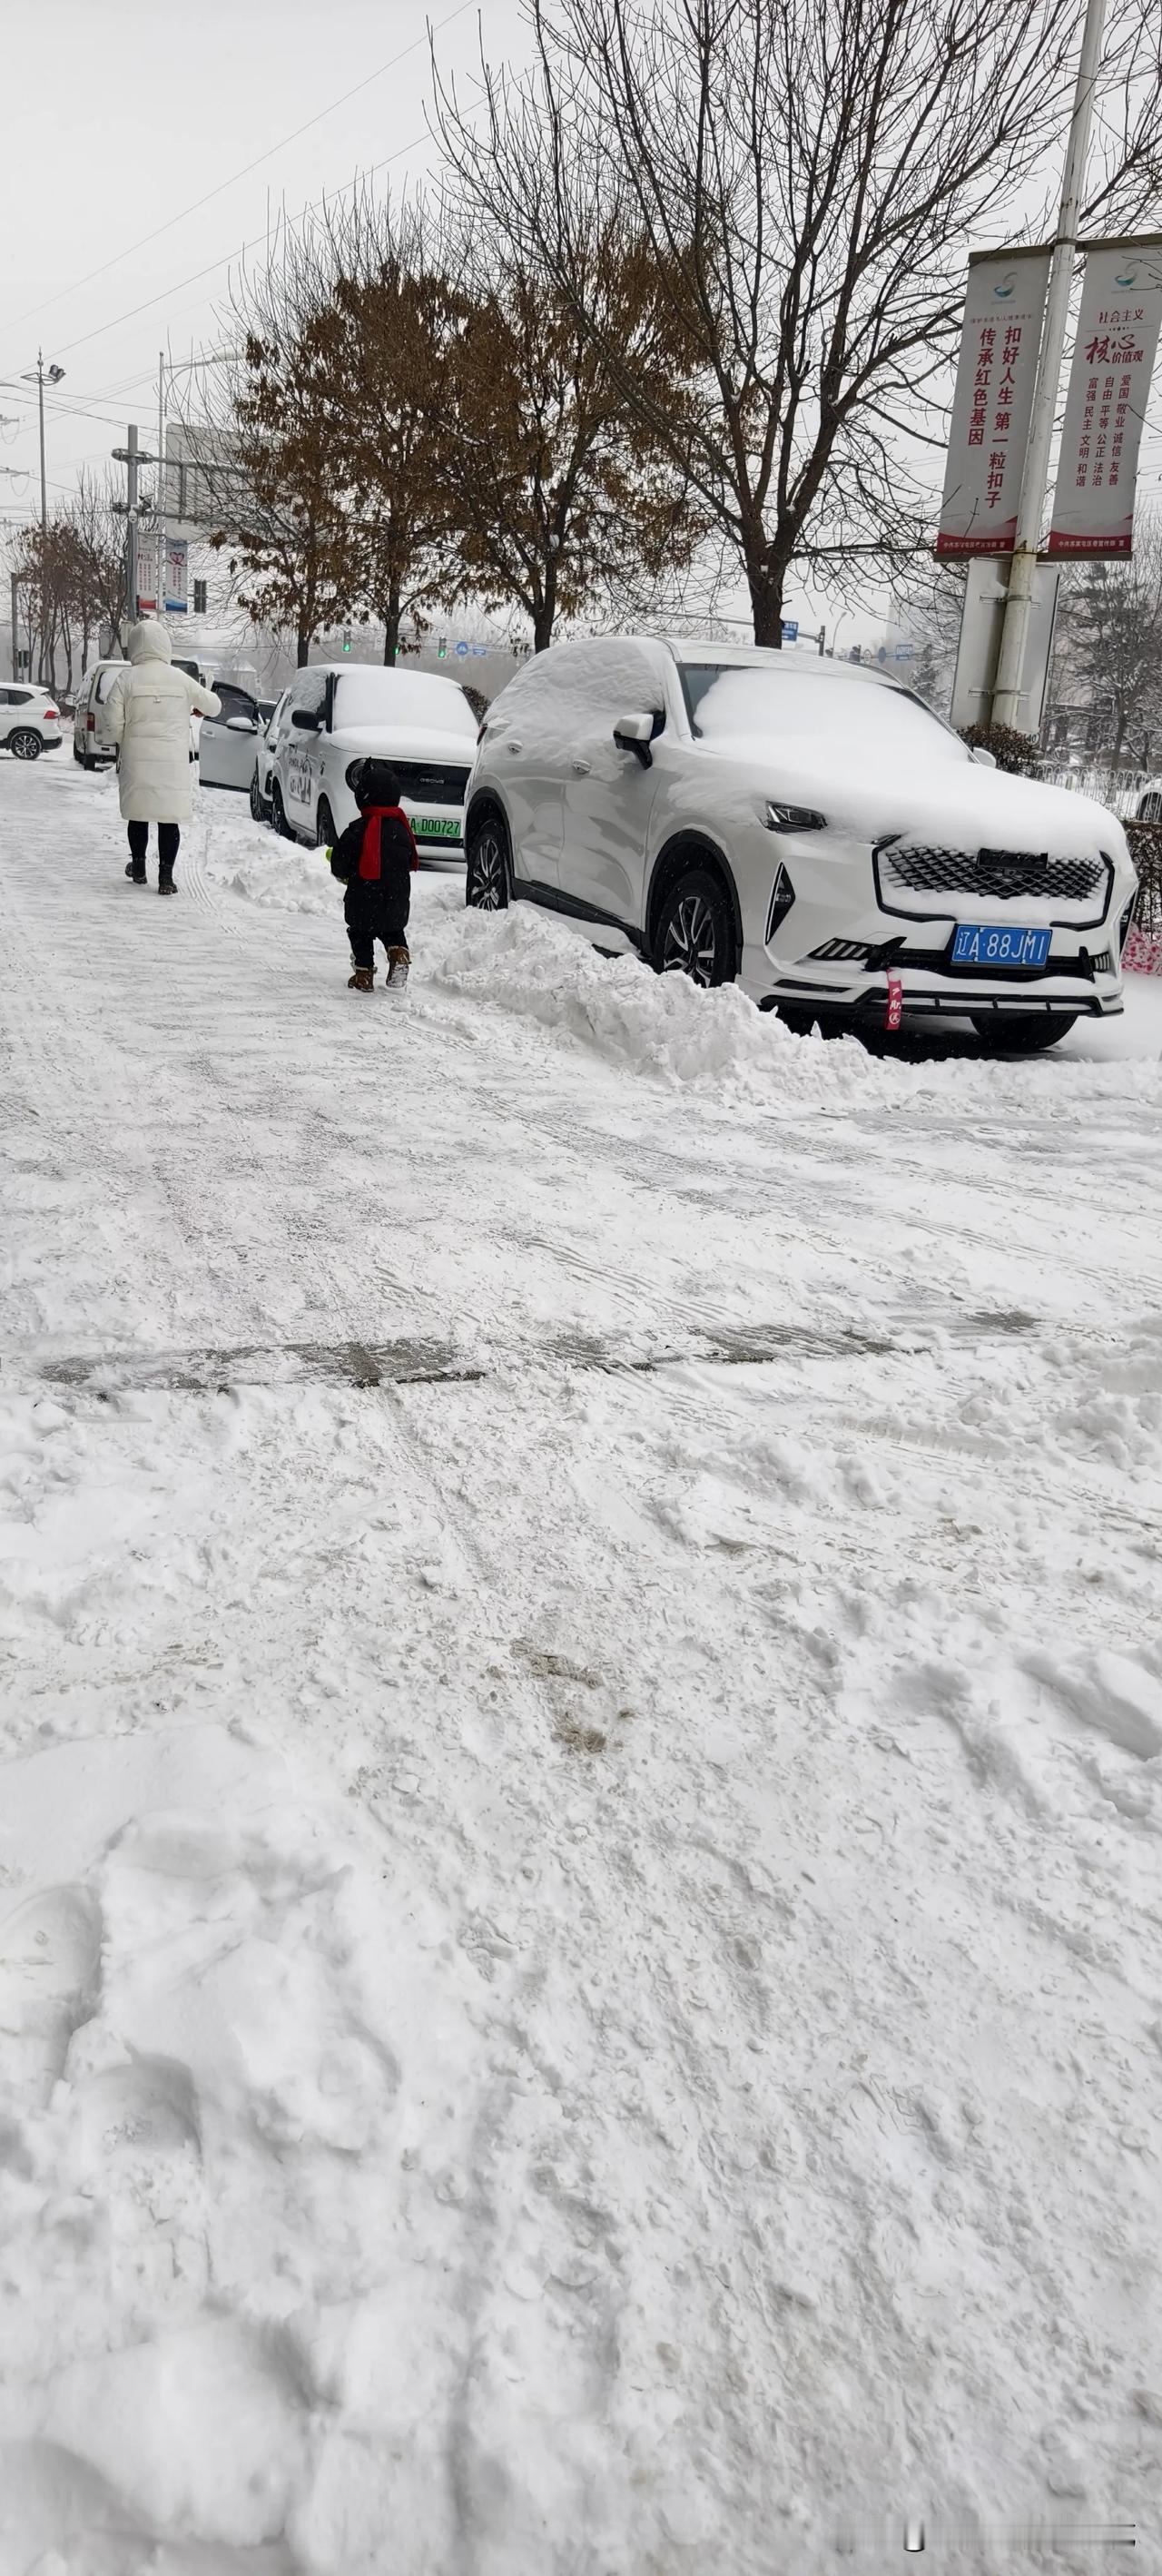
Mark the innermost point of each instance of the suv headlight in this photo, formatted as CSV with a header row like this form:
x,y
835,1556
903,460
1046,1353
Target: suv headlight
x,y
793,818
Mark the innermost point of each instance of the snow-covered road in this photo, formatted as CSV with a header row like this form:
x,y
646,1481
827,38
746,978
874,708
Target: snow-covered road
x,y
580,1945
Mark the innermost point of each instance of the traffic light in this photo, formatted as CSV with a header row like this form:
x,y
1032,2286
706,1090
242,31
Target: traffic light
x,y
442,649
346,639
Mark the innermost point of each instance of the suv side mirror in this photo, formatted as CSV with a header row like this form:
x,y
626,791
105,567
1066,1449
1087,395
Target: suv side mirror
x,y
241,724
306,722
636,733
985,759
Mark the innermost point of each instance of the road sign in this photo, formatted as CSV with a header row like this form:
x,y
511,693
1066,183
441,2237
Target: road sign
x,y
904,652
461,649
790,630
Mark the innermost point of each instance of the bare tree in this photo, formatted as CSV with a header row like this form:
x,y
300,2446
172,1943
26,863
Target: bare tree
x,y
258,436
386,332
805,176
73,570
561,495
1110,641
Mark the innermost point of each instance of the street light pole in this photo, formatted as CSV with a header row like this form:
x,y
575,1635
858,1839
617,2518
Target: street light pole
x,y
39,375
1007,692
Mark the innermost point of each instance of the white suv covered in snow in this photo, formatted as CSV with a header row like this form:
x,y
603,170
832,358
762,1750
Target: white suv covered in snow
x,y
803,825
29,720
339,713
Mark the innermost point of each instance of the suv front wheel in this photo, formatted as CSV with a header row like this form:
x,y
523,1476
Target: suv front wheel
x,y
695,932
486,878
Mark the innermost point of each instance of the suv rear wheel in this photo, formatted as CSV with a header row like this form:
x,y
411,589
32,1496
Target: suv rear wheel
x,y
24,745
695,932
325,832
1023,1035
486,878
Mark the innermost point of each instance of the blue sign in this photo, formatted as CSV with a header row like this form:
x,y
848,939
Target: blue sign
x,y
461,648
790,630
904,652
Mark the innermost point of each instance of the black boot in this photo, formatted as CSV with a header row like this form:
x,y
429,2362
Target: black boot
x,y
165,883
136,871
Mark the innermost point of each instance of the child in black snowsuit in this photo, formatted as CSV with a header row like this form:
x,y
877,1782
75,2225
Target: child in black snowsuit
x,y
374,859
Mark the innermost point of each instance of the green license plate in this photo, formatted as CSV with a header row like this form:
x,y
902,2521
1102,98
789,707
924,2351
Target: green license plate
x,y
435,827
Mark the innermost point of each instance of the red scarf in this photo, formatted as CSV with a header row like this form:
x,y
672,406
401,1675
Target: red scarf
x,y
374,818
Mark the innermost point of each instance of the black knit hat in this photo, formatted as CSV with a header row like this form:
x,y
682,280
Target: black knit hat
x,y
373,782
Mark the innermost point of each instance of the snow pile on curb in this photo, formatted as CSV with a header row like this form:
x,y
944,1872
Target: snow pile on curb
x,y
523,961
278,874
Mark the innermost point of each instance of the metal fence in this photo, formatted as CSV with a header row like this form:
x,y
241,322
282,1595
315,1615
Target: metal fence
x,y
1121,789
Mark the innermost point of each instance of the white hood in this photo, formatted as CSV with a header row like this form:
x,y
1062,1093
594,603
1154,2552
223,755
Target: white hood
x,y
958,803
149,642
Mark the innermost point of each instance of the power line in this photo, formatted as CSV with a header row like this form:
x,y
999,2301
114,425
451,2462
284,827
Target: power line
x,y
224,262
63,292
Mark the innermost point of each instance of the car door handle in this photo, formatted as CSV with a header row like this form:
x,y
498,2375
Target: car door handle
x,y
580,769
516,746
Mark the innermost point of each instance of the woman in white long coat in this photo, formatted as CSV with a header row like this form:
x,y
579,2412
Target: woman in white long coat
x,y
148,716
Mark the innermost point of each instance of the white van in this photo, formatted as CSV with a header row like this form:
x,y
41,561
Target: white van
x,y
90,744
337,714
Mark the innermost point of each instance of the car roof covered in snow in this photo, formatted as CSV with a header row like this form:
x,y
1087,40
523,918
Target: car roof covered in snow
x,y
745,657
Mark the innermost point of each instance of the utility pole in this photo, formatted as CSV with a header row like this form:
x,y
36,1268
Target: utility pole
x,y
131,456
16,626
162,584
1007,690
39,376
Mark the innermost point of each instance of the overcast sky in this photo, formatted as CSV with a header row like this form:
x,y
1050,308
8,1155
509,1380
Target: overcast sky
x,y
124,114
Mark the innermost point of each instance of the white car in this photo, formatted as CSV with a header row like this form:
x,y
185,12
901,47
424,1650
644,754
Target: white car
x,y
265,748
227,741
807,827
340,713
91,746
30,720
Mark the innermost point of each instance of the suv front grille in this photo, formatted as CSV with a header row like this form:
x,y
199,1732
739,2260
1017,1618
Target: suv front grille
x,y
426,782
996,875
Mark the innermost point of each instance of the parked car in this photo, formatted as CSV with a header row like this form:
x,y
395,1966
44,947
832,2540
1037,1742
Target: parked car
x,y
807,827
336,715
226,741
265,747
29,720
1149,805
90,745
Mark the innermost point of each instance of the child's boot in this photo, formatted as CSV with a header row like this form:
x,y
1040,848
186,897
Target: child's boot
x,y
362,981
398,962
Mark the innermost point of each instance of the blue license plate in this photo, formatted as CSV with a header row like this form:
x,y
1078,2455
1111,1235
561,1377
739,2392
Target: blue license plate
x,y
983,943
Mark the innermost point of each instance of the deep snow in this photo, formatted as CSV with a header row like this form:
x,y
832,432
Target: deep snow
x,y
579,1942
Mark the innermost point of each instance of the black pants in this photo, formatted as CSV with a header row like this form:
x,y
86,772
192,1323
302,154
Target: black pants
x,y
377,911
168,837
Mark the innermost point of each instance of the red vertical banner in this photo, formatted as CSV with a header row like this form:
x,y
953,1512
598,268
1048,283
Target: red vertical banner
x,y
993,402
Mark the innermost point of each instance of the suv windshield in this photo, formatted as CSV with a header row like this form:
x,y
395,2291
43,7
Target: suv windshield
x,y
725,700
374,696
